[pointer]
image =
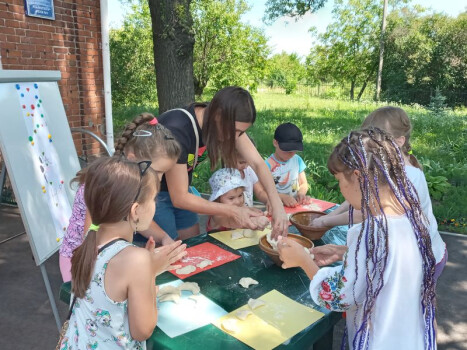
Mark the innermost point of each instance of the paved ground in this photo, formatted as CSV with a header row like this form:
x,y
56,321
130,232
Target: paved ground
x,y
27,322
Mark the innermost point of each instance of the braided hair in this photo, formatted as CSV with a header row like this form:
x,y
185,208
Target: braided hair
x,y
378,159
147,139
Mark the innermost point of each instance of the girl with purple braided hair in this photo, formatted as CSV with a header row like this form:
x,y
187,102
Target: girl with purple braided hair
x,y
386,284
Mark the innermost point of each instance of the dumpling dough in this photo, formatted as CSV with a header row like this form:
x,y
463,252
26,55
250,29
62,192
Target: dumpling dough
x,y
168,290
272,242
237,234
170,297
255,303
247,233
190,286
246,282
204,263
230,325
186,270
243,314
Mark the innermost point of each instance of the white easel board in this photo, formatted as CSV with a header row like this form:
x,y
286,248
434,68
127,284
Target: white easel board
x,y
39,153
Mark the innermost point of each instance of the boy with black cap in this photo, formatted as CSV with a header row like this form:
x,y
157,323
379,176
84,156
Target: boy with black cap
x,y
287,168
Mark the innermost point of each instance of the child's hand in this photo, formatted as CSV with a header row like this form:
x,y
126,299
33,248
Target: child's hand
x,y
163,257
328,254
166,240
243,215
303,199
319,222
288,201
291,253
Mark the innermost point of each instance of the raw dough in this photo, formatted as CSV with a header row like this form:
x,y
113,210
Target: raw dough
x,y
272,242
170,297
168,290
190,286
237,234
255,303
204,263
186,270
246,282
230,325
243,314
247,233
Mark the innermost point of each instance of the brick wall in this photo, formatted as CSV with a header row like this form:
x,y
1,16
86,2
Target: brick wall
x,y
72,44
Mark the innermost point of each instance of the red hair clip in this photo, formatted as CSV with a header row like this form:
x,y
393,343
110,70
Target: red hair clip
x,y
153,121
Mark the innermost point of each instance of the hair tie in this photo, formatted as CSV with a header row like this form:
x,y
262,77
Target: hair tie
x,y
410,152
142,133
154,121
93,227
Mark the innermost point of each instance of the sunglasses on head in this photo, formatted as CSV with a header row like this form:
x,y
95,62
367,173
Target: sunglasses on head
x,y
143,167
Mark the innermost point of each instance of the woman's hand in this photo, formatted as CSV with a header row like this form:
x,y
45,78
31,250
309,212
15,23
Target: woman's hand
x,y
292,253
280,221
261,221
242,217
328,254
163,257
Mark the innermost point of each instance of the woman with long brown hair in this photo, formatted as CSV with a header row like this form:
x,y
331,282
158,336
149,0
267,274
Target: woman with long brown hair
x,y
216,130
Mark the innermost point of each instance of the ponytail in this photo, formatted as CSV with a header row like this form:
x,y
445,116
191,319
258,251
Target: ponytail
x,y
407,151
82,264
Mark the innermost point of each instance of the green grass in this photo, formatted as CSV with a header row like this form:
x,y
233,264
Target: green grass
x,y
439,142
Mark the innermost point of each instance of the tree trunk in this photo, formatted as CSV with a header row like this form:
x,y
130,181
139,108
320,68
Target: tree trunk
x,y
173,52
381,51
362,90
352,89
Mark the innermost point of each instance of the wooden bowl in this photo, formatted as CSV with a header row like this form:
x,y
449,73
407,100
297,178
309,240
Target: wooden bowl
x,y
302,221
274,254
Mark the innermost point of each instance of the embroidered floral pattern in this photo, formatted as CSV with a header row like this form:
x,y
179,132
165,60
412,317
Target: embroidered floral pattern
x,y
330,295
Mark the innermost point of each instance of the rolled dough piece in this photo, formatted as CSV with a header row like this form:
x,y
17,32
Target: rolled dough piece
x,y
204,263
249,233
255,303
237,234
246,282
230,325
190,286
243,314
186,270
168,290
272,242
170,297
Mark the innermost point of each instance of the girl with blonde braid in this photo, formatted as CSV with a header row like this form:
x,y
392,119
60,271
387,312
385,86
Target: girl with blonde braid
x,y
386,284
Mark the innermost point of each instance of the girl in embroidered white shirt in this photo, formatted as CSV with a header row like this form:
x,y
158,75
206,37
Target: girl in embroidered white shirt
x,y
386,283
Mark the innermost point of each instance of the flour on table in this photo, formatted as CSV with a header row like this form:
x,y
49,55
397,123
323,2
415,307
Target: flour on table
x,y
186,270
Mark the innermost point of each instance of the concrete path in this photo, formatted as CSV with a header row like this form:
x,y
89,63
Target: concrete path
x,y
27,322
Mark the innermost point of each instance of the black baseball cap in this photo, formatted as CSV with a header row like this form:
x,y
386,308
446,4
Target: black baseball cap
x,y
289,137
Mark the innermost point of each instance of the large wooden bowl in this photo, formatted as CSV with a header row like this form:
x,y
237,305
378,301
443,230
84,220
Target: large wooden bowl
x,y
302,221
274,254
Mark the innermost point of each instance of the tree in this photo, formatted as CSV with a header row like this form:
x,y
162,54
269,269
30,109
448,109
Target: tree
x,y
286,71
292,8
347,51
227,51
172,28
132,63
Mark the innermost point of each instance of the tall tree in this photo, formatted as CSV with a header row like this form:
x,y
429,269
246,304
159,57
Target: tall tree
x,y
227,51
172,28
291,8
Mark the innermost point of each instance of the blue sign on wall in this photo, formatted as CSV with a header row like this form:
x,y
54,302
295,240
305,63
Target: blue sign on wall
x,y
40,8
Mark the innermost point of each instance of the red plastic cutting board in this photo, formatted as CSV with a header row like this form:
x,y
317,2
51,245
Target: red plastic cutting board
x,y
204,251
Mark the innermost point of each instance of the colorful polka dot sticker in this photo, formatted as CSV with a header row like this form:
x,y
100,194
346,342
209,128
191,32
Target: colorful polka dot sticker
x,y
30,138
36,97
24,106
40,101
17,87
22,95
58,239
35,131
32,143
42,116
36,86
50,136
43,189
32,106
28,114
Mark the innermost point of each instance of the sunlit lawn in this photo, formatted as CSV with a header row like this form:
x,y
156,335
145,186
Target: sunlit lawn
x,y
439,142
